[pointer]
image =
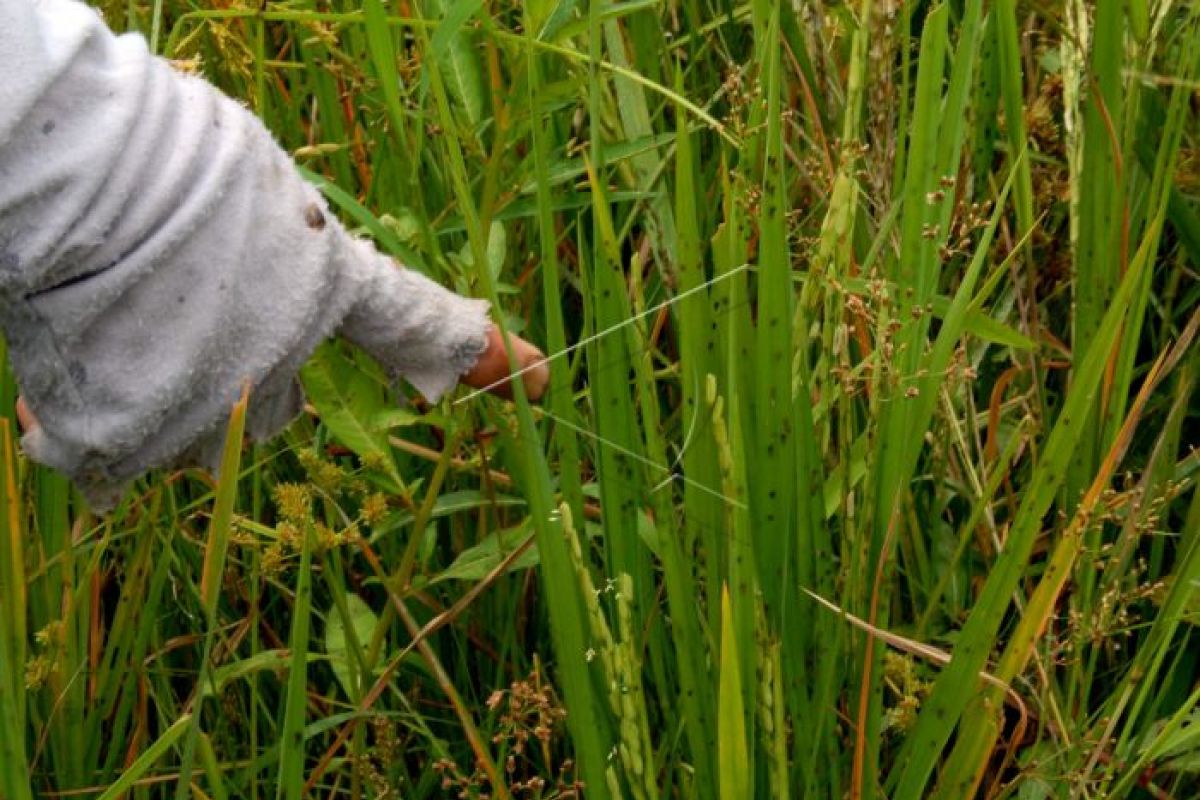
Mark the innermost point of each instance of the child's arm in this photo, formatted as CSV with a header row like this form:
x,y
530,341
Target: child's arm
x,y
158,250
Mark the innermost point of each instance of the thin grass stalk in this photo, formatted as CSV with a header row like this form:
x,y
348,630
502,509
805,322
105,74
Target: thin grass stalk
x,y
908,273
609,361
114,693
212,575
634,110
1103,251
731,314
14,775
62,617
213,769
953,688
831,265
968,759
777,545
1144,673
702,511
620,450
1100,251
742,605
661,500
981,505
566,442
1169,137
1161,642
290,780
381,49
1012,92
566,616
927,219
148,759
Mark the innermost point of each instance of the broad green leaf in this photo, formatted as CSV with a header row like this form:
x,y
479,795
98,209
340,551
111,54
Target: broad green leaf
x,y
349,403
564,12
387,418
497,248
453,48
364,621
476,562
497,251
272,660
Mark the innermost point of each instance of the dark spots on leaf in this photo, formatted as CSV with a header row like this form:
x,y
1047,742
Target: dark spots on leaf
x,y
48,127
313,217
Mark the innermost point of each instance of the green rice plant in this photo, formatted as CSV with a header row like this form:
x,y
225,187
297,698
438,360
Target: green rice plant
x,y
866,467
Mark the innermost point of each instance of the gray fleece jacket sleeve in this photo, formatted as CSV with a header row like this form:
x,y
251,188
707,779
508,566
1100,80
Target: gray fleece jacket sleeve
x,y
158,250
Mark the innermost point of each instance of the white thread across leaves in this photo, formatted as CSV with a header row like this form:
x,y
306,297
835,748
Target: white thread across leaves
x,y
673,474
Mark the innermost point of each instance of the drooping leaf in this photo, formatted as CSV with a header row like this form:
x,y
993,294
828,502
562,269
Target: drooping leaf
x,y
476,562
453,48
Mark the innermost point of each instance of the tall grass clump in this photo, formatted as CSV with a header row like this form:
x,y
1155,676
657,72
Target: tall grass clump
x,y
868,467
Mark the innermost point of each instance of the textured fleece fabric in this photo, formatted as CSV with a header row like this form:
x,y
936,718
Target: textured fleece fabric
x,y
158,250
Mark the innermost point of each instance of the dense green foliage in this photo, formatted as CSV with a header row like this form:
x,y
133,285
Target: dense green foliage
x,y
873,472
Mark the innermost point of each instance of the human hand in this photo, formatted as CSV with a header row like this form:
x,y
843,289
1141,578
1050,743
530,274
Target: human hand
x,y
491,371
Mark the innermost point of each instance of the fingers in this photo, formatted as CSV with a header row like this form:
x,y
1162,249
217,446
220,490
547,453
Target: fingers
x,y
491,372
25,417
